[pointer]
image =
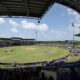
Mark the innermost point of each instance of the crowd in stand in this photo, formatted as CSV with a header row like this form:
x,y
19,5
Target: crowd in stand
x,y
19,74
36,74
69,74
22,74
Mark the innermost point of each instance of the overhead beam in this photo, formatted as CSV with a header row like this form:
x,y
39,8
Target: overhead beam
x,y
33,8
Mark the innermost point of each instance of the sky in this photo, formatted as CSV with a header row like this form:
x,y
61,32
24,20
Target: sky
x,y
56,25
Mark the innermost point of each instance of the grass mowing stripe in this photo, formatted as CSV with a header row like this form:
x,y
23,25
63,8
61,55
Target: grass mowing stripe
x,y
4,57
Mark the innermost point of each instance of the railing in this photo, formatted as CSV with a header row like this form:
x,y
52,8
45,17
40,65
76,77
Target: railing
x,y
14,65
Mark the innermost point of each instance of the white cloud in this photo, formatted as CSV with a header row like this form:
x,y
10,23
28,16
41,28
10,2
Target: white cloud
x,y
13,23
58,34
27,25
33,26
42,27
14,30
2,21
76,21
72,12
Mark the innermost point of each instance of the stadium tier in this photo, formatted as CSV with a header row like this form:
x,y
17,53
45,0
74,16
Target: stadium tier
x,y
13,41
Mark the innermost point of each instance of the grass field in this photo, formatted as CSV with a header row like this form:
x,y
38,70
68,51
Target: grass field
x,y
29,54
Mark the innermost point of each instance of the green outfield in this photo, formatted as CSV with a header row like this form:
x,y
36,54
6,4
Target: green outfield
x,y
29,54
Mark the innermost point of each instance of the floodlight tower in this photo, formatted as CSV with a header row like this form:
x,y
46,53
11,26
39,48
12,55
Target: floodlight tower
x,y
79,28
36,30
36,35
73,34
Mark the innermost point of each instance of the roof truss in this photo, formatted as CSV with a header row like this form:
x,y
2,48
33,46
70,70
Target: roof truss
x,y
32,8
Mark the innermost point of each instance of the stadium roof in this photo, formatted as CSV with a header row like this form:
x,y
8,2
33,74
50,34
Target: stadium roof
x,y
78,35
32,8
16,38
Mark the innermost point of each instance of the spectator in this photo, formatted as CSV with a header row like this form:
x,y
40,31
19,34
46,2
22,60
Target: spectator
x,y
73,74
43,76
51,78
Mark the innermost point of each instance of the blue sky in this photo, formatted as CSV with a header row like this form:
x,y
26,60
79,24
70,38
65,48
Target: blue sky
x,y
55,25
